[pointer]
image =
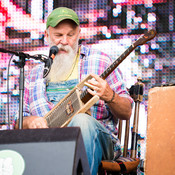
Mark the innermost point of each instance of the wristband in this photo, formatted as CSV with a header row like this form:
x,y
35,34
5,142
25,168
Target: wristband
x,y
111,98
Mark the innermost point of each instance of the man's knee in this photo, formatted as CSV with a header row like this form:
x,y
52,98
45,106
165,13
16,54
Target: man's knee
x,y
80,119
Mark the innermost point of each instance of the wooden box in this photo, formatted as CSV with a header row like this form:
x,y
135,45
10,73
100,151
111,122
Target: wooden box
x,y
160,142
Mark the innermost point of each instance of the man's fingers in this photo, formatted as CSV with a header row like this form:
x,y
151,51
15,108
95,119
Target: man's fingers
x,y
38,123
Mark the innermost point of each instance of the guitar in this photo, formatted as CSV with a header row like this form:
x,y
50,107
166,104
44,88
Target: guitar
x,y
77,101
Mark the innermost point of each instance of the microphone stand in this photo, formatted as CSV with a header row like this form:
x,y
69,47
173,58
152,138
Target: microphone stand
x,y
20,64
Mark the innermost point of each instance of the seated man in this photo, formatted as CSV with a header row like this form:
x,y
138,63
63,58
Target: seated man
x,y
70,66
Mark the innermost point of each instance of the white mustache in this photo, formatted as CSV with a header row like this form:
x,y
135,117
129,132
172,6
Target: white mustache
x,y
66,48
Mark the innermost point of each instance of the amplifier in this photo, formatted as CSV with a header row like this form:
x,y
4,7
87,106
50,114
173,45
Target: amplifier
x,y
54,151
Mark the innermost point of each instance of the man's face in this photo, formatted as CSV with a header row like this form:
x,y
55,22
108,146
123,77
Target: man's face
x,y
65,36
66,33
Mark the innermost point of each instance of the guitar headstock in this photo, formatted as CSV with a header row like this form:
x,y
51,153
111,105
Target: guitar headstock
x,y
149,35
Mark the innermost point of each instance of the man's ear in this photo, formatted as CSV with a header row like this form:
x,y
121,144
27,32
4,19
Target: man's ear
x,y
79,33
46,35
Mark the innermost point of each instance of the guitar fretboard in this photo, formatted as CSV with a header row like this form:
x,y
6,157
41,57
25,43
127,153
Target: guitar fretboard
x,y
115,64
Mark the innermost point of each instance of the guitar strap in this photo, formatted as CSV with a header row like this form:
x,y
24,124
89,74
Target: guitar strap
x,y
74,73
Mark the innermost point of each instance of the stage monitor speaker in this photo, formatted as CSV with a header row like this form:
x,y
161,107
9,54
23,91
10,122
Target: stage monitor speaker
x,y
53,151
160,149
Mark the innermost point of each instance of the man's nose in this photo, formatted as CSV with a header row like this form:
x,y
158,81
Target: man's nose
x,y
64,40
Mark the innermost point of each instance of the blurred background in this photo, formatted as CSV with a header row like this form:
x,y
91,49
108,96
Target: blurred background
x,y
109,25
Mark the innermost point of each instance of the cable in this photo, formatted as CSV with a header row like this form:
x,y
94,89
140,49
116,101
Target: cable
x,y
8,112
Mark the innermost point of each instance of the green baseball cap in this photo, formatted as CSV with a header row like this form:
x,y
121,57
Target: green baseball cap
x,y
59,14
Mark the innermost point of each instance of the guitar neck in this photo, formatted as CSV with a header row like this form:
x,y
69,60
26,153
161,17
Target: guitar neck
x,y
115,64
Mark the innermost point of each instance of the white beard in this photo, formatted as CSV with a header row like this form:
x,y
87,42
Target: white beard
x,y
62,64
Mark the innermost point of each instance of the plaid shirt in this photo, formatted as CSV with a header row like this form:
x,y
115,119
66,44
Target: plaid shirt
x,y
90,61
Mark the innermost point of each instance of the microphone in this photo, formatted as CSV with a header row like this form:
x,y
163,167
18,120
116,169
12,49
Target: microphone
x,y
48,62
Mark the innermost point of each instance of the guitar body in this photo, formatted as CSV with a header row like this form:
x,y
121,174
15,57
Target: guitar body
x,y
69,106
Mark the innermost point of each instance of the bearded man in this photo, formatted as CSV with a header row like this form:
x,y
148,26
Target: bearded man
x,y
70,66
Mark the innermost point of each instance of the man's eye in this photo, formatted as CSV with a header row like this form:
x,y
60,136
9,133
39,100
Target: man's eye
x,y
71,34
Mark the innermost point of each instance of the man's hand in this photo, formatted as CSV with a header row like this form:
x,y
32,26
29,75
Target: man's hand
x,y
100,87
120,106
33,122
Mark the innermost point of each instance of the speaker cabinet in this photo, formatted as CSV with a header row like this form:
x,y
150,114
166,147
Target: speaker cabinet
x,y
53,151
160,149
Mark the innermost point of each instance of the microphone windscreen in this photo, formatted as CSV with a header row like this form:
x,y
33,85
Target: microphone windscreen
x,y
53,51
